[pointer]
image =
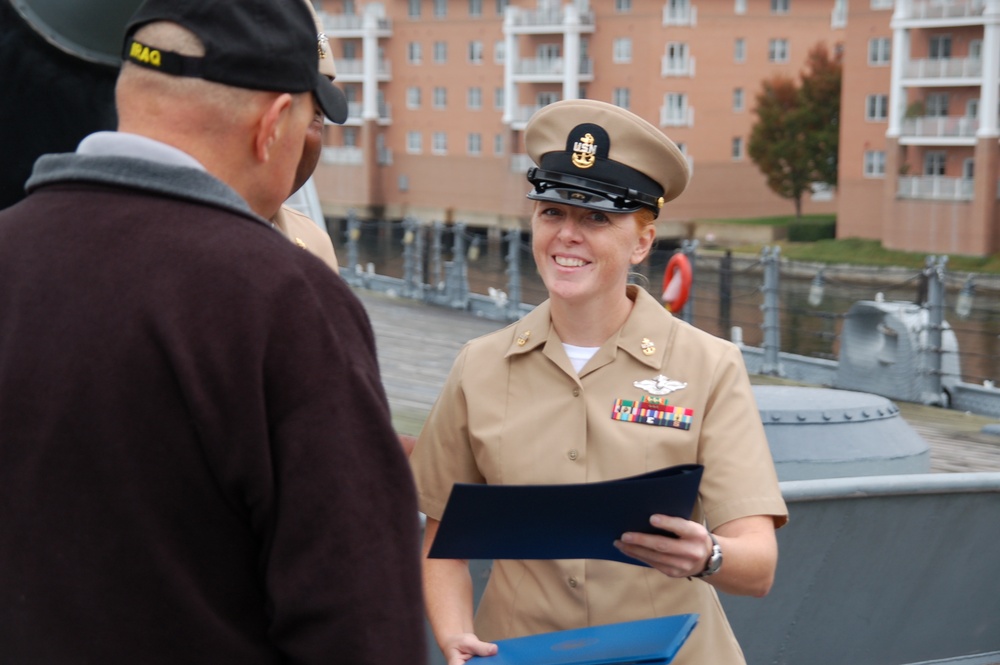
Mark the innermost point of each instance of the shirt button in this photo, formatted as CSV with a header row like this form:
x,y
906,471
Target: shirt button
x,y
576,392
572,582
573,454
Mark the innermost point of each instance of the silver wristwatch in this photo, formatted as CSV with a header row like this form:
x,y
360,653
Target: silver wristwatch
x,y
714,561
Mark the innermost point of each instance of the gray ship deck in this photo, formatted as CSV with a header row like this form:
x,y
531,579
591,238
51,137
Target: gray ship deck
x,y
417,344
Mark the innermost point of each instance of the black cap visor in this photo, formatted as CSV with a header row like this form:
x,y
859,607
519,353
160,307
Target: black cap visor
x,y
566,189
331,99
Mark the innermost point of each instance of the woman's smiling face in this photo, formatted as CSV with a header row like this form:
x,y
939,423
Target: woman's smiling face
x,y
583,254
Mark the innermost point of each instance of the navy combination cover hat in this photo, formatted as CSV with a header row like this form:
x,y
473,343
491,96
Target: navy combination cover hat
x,y
599,156
267,45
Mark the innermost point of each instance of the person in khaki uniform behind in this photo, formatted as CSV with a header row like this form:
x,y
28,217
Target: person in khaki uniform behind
x,y
296,226
546,400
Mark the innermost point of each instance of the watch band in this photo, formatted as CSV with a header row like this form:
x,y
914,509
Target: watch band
x,y
714,559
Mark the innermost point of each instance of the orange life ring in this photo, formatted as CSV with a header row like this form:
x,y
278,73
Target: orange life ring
x,y
676,282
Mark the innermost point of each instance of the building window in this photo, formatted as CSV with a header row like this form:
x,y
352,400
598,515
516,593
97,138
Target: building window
x,y
440,97
975,49
740,50
475,144
879,51
623,6
934,162
548,51
675,109
740,7
737,149
500,52
475,7
936,105
498,98
972,108
622,52
404,183
777,50
349,49
413,97
414,53
414,143
476,52
677,63
940,47
498,144
502,6
475,98
440,8
882,4
621,97
440,52
874,163
414,8
779,6
351,137
439,143
738,103
968,168
545,98
877,107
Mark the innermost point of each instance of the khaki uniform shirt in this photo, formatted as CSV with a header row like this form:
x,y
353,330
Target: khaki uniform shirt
x,y
305,233
514,411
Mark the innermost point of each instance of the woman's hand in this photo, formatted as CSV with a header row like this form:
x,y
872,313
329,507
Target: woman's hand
x,y
683,556
749,551
460,648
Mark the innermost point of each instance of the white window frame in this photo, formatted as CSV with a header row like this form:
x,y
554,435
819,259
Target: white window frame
x,y
476,52
500,52
939,47
777,50
874,164
414,142
475,8
413,97
414,53
546,97
676,106
780,6
968,168
936,105
440,97
737,149
498,98
474,98
877,108
621,51
879,51
498,148
474,144
413,8
621,97
440,8
440,52
740,50
935,163
439,143
740,7
623,6
739,100
678,61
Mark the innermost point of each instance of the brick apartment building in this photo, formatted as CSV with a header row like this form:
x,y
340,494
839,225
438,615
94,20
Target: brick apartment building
x,y
440,91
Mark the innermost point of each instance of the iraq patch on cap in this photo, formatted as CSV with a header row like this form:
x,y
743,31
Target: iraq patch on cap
x,y
599,156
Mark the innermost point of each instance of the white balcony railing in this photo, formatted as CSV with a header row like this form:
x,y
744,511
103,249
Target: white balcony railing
x,y
339,23
940,127
552,18
676,66
935,187
671,117
943,9
523,113
520,163
944,68
550,67
356,67
354,110
686,15
341,155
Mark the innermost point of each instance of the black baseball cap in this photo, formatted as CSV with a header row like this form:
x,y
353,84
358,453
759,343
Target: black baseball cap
x,y
257,44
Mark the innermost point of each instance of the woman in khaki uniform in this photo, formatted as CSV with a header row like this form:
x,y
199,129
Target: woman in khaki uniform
x,y
546,400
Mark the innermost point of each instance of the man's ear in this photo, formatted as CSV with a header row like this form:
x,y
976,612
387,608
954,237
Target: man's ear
x,y
269,125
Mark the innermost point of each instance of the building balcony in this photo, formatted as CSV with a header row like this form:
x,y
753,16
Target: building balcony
x,y
355,110
544,21
671,117
940,9
352,25
549,70
342,155
522,114
947,127
944,68
935,187
676,66
680,16
353,69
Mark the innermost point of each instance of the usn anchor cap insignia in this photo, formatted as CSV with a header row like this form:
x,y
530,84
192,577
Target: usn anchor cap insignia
x,y
583,151
660,385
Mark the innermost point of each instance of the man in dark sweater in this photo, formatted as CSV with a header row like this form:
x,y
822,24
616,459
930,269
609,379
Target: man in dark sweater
x,y
197,463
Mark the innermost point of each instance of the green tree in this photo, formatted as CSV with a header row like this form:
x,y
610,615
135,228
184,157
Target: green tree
x,y
794,140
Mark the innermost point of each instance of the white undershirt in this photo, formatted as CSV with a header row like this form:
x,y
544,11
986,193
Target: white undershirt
x,y
579,355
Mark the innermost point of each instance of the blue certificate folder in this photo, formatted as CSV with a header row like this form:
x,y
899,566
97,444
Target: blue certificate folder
x,y
575,521
654,641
